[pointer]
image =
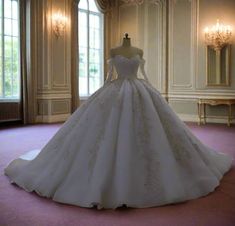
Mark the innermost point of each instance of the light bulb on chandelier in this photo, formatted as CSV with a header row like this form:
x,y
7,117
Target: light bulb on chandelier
x,y
59,22
218,36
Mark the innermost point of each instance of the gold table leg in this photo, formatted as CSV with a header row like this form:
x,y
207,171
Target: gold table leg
x,y
229,114
199,113
204,113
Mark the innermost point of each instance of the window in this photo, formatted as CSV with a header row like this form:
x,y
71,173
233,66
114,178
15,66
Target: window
x,y
9,50
90,48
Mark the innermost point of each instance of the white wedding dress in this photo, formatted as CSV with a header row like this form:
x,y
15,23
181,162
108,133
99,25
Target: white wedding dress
x,y
123,146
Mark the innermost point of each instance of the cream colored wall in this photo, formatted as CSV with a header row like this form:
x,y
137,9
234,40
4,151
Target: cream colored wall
x,y
51,59
169,31
146,26
187,54
171,34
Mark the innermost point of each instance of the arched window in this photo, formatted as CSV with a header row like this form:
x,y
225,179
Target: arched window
x,y
90,47
9,50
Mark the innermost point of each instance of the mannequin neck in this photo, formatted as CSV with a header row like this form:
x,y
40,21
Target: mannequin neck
x,y
126,42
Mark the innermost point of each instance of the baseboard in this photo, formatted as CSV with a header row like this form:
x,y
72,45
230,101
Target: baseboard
x,y
52,118
194,118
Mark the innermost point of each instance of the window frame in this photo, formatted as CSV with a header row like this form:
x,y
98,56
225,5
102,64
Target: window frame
x,y
88,12
3,98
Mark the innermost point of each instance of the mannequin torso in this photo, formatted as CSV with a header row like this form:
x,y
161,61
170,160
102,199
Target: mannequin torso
x,y
126,49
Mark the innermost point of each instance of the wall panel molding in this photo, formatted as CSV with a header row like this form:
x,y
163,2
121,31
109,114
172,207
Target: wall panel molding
x,y
145,23
202,21
60,78
194,118
60,106
153,27
53,95
162,25
198,94
173,83
56,106
127,25
52,118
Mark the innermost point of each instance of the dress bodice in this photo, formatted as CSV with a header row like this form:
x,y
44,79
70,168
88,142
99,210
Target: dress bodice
x,y
127,68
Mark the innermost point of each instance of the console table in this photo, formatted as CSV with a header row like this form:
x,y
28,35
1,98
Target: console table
x,y
202,102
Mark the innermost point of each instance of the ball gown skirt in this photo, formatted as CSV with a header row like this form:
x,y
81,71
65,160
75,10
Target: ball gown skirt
x,y
123,146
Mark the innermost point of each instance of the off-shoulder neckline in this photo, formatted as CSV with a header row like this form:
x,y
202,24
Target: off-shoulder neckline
x,y
127,58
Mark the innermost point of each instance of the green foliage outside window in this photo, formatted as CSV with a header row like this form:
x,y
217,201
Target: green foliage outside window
x,y
9,50
9,69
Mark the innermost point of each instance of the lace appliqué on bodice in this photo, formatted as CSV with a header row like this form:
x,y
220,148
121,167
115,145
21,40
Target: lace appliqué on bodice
x,y
127,68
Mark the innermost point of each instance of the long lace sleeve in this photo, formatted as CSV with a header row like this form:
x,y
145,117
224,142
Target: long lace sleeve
x,y
110,71
142,70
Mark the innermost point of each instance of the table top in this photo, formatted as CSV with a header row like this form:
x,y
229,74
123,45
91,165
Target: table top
x,y
216,101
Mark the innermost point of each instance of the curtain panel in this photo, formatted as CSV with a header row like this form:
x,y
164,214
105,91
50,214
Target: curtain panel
x,y
103,5
27,86
108,8
74,56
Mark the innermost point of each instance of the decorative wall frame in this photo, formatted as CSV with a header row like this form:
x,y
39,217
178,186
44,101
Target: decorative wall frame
x,y
218,66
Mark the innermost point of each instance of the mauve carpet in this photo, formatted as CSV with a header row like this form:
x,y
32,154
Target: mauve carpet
x,y
18,207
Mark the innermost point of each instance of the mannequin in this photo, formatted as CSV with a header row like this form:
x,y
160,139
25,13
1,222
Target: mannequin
x,y
126,49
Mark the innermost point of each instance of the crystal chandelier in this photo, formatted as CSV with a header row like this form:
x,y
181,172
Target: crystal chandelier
x,y
218,36
59,22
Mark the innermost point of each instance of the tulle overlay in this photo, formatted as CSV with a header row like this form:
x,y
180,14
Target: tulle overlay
x,y
124,145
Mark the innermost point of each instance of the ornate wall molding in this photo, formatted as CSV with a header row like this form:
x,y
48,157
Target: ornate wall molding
x,y
60,106
134,2
141,29
48,108
157,2
162,20
52,118
196,95
62,58
193,47
53,94
120,22
161,79
140,2
194,118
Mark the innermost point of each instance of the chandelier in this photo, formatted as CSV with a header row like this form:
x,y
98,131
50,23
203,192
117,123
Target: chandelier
x,y
59,22
218,36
